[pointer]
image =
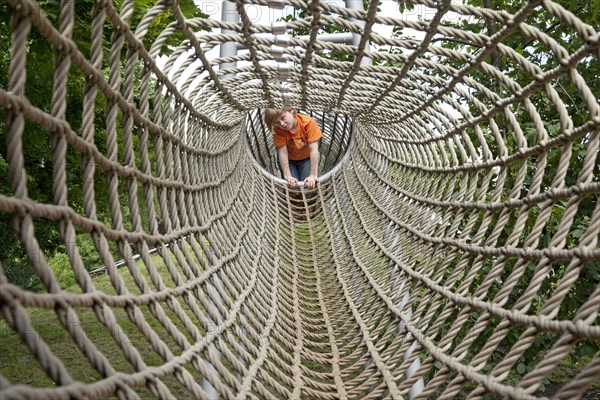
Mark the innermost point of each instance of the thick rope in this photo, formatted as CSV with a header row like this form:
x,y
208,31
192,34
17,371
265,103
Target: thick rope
x,y
459,232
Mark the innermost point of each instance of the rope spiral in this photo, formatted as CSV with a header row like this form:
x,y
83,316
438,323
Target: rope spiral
x,y
456,231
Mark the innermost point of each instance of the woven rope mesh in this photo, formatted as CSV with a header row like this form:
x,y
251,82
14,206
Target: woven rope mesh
x,y
335,144
458,235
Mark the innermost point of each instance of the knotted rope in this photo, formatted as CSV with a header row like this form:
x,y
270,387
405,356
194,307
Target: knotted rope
x,y
456,231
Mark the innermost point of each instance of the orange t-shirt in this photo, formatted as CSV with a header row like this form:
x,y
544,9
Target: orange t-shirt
x,y
297,142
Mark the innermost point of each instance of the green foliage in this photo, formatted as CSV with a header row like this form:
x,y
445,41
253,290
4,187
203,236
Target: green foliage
x,y
37,140
327,29
61,266
188,9
89,254
539,54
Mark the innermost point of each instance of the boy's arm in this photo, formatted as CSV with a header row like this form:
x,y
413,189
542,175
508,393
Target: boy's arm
x,y
311,181
314,158
285,165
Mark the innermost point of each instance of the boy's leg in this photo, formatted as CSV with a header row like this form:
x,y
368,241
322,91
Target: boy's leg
x,y
303,169
293,169
292,166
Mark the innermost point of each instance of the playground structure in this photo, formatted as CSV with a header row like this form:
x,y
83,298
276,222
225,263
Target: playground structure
x,y
450,226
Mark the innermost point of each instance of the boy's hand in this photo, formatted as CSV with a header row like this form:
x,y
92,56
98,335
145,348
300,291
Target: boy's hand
x,y
292,182
311,181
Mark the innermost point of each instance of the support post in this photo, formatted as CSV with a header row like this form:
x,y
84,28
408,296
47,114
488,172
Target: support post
x,y
358,5
229,49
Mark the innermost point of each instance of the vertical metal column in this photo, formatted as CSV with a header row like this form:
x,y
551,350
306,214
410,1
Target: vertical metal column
x,y
399,281
358,5
279,31
229,49
211,325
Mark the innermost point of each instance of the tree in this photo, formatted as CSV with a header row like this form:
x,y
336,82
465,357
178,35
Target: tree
x,y
37,147
540,55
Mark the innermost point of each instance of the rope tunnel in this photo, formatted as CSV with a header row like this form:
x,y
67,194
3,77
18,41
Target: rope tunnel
x,y
450,249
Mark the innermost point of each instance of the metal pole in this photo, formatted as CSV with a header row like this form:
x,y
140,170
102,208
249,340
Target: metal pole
x,y
228,49
358,5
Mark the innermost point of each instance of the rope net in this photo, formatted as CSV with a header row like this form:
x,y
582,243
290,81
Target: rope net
x,y
458,235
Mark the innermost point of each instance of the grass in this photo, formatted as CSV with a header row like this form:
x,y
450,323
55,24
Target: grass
x,y
19,366
562,375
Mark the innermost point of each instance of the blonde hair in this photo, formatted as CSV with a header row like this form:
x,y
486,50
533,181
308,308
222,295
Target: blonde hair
x,y
271,116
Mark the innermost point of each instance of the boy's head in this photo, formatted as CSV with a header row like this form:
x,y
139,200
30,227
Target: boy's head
x,y
274,115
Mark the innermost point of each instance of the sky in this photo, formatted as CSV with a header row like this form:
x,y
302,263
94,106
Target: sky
x,y
265,15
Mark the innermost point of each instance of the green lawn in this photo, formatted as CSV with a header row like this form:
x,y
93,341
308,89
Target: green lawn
x,y
19,366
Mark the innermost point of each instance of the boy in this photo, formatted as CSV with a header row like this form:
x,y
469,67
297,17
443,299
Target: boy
x,y
296,137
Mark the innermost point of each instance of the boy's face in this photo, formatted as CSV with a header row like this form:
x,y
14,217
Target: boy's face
x,y
285,121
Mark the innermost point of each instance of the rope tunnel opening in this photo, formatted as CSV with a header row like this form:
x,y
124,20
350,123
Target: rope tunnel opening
x,y
334,147
451,249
